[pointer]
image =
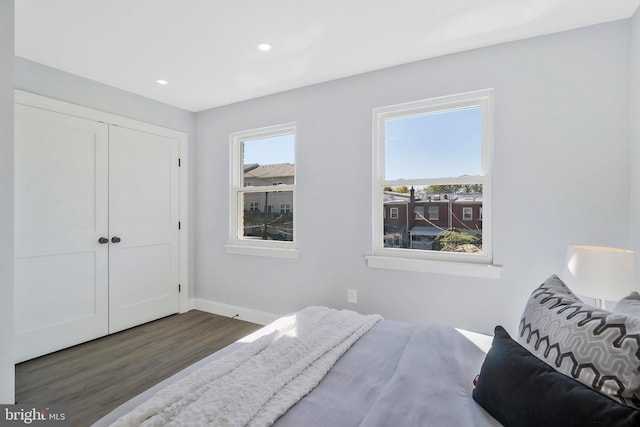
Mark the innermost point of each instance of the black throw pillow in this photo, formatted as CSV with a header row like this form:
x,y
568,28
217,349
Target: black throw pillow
x,y
520,390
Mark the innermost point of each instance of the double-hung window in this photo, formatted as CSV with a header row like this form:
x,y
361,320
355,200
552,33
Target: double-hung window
x,y
263,177
285,207
434,212
467,214
441,149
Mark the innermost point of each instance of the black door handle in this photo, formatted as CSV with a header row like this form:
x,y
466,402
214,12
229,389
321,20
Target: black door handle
x,y
115,239
103,240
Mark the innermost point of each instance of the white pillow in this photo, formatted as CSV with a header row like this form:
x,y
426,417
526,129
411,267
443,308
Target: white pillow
x,y
629,305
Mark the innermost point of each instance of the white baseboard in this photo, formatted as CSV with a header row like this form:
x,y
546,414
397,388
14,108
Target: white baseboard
x,y
228,310
190,305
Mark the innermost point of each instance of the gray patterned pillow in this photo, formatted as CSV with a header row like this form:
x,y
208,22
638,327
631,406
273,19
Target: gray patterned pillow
x,y
598,348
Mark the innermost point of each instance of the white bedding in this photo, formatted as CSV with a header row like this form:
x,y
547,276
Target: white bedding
x,y
259,382
396,374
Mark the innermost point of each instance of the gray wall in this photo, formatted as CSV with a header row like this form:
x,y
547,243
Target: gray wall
x,y
6,202
560,177
634,120
43,80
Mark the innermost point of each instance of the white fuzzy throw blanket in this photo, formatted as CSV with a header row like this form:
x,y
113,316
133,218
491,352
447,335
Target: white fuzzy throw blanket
x,y
260,381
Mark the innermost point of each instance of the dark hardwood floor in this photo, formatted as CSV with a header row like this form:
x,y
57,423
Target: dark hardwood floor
x,y
93,378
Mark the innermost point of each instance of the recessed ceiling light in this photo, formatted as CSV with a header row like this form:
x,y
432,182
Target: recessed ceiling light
x,y
162,82
264,46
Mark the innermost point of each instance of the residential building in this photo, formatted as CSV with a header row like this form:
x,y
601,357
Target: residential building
x,y
269,215
415,222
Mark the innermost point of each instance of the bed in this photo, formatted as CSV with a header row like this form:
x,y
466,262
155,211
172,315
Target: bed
x,y
324,367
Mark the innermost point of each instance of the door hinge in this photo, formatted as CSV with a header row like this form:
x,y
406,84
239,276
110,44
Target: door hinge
x,y
179,225
179,288
179,162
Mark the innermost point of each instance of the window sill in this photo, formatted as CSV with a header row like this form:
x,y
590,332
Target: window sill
x,y
467,269
290,253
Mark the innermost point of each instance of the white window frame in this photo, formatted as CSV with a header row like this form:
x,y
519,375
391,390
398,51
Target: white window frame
x,y
394,213
238,245
434,213
285,208
424,260
469,216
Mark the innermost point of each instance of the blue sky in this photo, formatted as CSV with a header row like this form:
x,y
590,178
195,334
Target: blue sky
x,y
443,144
436,145
268,151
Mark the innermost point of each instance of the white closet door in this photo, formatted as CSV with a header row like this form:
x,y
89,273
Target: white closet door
x,y
61,186
143,218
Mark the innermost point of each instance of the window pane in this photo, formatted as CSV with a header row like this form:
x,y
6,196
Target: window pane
x,y
434,145
444,218
267,216
269,161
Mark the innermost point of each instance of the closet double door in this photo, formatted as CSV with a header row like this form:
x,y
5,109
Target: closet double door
x,y
96,229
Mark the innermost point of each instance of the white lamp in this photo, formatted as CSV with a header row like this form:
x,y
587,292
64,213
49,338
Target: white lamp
x,y
600,272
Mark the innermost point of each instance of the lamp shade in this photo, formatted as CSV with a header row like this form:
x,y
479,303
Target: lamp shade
x,y
600,272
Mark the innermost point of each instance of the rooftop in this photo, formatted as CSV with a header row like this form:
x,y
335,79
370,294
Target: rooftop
x,y
279,170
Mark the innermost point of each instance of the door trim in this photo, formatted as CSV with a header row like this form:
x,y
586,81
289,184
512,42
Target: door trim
x,y
46,103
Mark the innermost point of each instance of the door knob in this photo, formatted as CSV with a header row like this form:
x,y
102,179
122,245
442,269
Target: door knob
x,y
115,239
103,240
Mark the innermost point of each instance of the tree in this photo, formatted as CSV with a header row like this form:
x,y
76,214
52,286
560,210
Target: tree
x,y
472,188
443,189
454,188
403,189
452,240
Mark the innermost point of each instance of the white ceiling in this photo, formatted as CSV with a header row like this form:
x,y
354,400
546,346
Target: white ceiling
x,y
207,49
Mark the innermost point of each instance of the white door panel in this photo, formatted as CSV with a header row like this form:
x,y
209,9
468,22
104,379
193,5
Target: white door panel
x,y
140,279
78,280
61,190
143,213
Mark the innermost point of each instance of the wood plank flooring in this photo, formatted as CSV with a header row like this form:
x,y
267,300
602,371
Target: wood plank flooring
x,y
93,378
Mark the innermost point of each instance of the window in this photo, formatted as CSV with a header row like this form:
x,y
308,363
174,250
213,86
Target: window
x,y
439,150
263,178
434,213
394,213
285,207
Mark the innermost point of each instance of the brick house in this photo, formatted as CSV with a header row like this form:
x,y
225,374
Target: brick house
x,y
411,222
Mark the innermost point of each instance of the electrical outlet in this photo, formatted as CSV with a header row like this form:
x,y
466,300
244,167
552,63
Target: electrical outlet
x,y
352,296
